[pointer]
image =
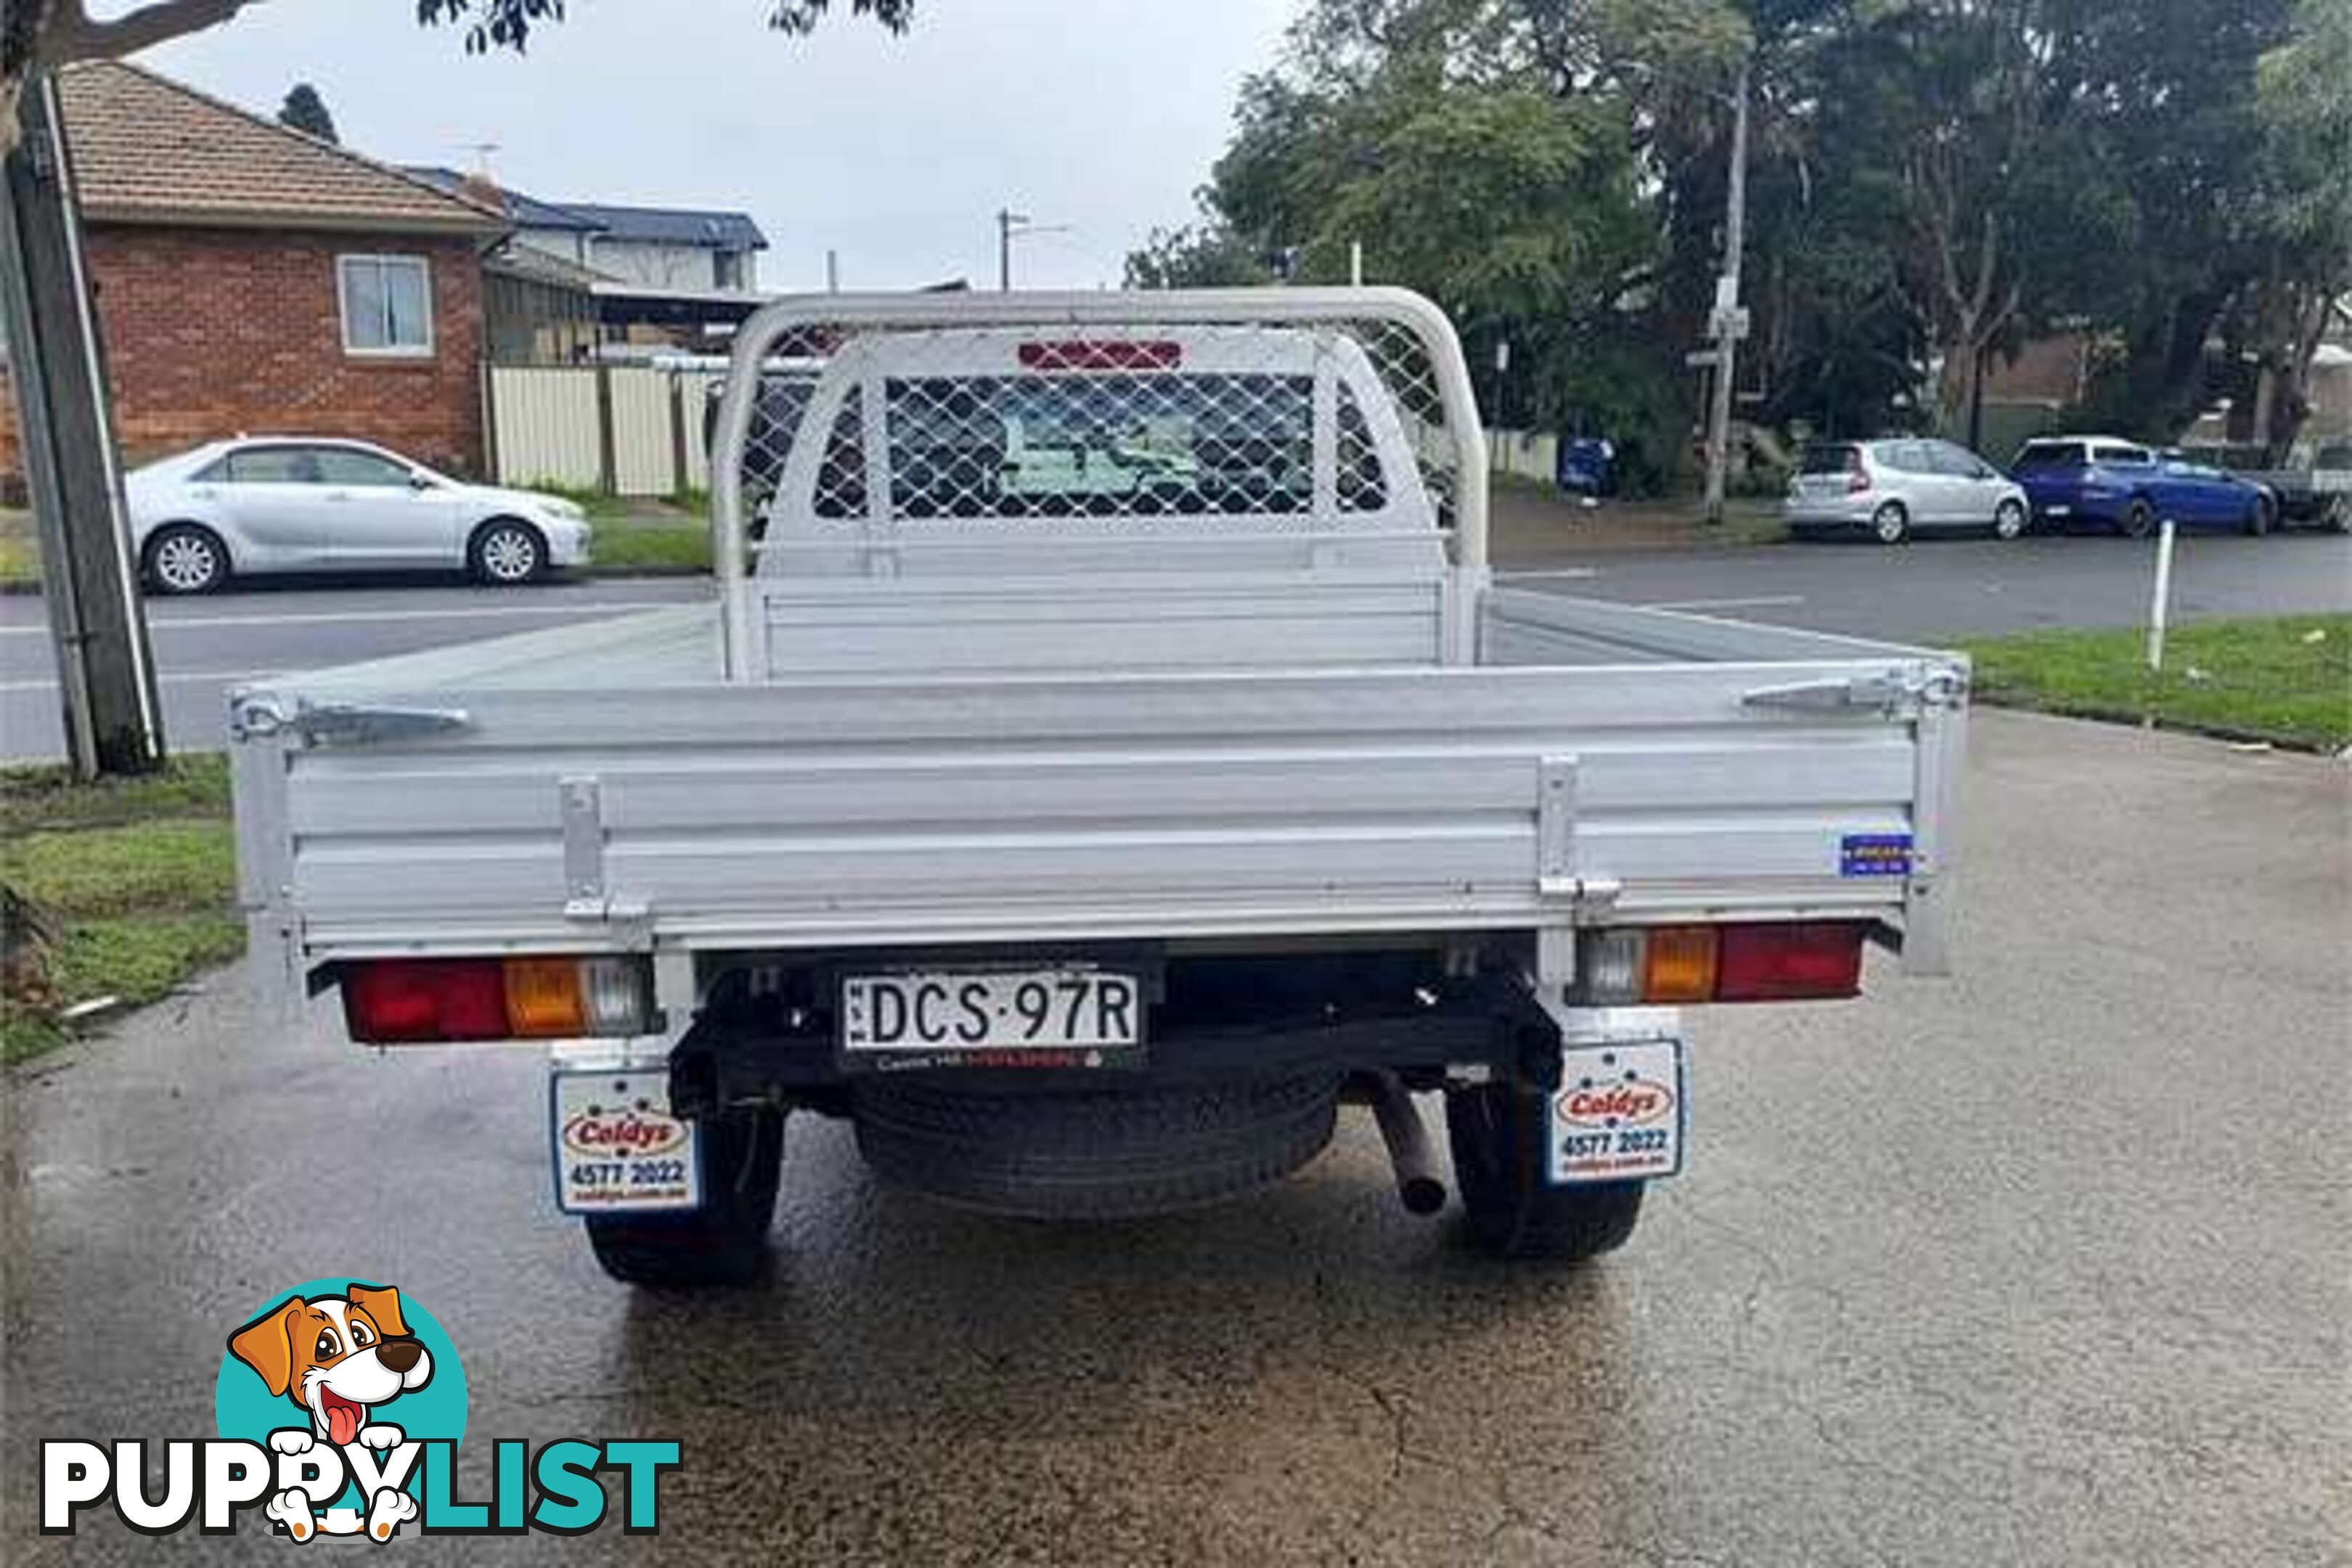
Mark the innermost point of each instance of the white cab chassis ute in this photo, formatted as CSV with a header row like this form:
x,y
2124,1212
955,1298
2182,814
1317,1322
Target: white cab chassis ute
x,y
1105,754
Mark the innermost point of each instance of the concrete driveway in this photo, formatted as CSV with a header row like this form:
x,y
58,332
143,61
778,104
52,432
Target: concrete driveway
x,y
2045,1263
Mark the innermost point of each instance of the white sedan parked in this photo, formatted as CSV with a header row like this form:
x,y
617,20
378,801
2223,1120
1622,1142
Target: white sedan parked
x,y
305,504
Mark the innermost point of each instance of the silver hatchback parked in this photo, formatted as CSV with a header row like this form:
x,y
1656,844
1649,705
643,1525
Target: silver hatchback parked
x,y
1894,488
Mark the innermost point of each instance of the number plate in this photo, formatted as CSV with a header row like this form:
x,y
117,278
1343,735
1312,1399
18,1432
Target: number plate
x,y
1067,1017
617,1147
1619,1115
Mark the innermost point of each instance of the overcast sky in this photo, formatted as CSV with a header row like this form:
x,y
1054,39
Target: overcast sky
x,y
1100,114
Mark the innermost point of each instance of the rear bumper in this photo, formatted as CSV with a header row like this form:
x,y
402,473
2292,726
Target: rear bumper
x,y
2077,507
1830,511
745,1049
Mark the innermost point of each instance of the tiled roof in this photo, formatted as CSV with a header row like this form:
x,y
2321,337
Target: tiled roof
x,y
147,149
674,225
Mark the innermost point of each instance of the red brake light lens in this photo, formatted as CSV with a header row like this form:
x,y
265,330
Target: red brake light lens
x,y
1795,962
1092,354
403,1000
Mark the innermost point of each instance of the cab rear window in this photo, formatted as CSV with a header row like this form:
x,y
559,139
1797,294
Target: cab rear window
x,y
1113,445
2050,455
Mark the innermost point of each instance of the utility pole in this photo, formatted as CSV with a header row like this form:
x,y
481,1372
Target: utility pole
x,y
1006,220
1729,322
1010,225
105,675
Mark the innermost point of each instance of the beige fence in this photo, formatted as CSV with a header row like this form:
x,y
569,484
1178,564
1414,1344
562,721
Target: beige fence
x,y
630,430
1528,454
635,430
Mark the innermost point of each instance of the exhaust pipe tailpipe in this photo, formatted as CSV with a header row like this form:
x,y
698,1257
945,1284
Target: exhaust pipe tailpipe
x,y
1419,1184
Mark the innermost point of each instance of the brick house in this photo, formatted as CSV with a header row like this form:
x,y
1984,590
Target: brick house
x,y
250,278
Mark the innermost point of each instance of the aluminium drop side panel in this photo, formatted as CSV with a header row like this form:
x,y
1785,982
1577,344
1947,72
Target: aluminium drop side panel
x,y
1062,808
265,868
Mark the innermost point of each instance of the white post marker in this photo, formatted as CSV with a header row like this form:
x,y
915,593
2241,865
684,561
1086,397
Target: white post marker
x,y
2161,608
1355,264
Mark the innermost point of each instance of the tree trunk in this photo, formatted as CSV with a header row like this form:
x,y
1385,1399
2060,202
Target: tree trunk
x,y
2277,424
2163,376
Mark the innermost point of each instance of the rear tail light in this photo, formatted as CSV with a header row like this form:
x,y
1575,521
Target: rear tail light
x,y
1780,962
1789,963
1857,482
401,1001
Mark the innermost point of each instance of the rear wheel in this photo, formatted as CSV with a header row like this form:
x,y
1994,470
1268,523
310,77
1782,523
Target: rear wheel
x,y
507,553
1090,1153
182,558
2139,520
2008,520
1890,524
2340,514
2260,517
1498,1134
724,1242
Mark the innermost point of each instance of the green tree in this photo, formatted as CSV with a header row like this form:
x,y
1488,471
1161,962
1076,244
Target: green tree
x,y
2304,210
2168,90
306,112
1441,141
1202,255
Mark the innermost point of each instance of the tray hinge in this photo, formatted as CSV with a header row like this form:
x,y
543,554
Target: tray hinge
x,y
339,723
1899,692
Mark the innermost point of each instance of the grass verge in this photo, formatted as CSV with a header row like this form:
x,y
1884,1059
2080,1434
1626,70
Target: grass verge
x,y
135,881
20,561
623,547
2287,679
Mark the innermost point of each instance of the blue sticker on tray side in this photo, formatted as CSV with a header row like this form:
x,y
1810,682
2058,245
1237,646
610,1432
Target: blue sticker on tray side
x,y
1874,854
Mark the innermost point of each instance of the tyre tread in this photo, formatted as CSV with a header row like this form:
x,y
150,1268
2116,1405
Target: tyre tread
x,y
723,1243
1513,1212
1091,1154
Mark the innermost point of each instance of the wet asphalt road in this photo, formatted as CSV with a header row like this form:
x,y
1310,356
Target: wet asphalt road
x,y
1933,589
2044,1264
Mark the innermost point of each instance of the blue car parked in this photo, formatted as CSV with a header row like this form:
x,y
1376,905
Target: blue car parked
x,y
2130,488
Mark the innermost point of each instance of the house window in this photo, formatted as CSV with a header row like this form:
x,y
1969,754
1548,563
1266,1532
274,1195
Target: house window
x,y
388,305
727,268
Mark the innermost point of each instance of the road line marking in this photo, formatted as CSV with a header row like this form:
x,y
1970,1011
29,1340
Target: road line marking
x,y
332,617
1572,571
1761,601
190,677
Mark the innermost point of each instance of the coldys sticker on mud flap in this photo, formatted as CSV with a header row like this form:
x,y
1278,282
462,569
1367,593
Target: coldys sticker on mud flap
x,y
1619,1114
617,1147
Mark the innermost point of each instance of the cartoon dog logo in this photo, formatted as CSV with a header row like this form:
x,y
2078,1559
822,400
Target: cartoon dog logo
x,y
338,1358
